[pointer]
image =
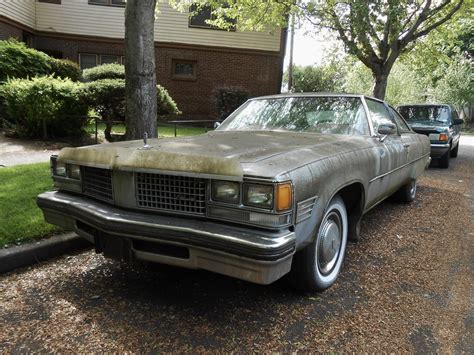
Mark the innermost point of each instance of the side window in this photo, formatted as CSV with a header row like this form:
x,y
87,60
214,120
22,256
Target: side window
x,y
378,113
400,121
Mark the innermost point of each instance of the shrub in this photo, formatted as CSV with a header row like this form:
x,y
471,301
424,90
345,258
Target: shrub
x,y
107,97
228,99
19,61
64,68
44,106
105,71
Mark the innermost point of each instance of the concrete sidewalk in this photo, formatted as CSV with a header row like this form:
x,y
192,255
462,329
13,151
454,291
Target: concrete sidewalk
x,y
16,151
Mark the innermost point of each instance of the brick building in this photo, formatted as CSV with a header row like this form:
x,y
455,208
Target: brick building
x,y
192,58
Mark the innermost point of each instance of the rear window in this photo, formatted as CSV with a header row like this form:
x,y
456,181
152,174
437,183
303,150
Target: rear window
x,y
425,113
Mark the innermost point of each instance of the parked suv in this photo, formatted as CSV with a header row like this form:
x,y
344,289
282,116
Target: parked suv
x,y
440,123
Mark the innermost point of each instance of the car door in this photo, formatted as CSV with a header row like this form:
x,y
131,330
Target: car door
x,y
391,152
411,143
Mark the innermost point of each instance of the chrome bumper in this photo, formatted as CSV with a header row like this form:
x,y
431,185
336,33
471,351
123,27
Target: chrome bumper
x,y
249,254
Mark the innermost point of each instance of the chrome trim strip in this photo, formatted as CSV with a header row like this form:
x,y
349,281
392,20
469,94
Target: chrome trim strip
x,y
438,145
398,168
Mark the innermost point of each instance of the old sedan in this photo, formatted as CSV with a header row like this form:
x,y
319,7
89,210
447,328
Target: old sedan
x,y
280,186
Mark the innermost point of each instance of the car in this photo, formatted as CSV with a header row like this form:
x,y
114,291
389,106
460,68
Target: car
x,y
440,123
278,188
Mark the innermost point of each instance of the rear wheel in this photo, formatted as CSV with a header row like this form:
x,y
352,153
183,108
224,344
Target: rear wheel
x,y
317,266
407,192
444,160
454,152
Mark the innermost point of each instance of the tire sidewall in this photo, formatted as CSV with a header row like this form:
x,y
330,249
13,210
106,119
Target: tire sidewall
x,y
320,280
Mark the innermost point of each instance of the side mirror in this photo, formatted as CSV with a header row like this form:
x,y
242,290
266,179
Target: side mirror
x,y
457,121
387,128
216,124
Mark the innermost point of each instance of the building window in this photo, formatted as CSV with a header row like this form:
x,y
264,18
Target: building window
x,y
184,69
120,3
200,16
109,59
51,1
89,60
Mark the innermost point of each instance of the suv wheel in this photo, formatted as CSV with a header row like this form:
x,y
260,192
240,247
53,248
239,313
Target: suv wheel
x,y
454,152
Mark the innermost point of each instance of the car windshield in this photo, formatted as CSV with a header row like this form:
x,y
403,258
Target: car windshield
x,y
425,113
317,114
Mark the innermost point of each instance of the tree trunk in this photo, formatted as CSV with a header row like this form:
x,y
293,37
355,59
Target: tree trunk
x,y
140,78
380,85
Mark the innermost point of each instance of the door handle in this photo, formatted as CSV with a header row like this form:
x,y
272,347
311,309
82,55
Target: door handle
x,y
406,145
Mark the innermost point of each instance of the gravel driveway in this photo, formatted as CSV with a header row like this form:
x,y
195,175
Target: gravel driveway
x,y
406,286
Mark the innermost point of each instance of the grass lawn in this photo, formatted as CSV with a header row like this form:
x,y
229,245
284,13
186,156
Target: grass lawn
x,y
20,218
163,131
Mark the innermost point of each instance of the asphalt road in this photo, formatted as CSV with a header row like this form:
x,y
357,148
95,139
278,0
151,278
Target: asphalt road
x,y
406,286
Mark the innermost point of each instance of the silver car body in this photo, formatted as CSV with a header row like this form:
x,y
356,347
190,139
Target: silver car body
x,y
108,207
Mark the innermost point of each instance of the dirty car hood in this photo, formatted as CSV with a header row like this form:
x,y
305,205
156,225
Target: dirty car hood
x,y
261,153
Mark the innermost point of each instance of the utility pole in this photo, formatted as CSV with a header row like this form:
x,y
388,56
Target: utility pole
x,y
292,40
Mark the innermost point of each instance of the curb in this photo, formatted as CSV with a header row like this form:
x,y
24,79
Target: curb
x,y
32,253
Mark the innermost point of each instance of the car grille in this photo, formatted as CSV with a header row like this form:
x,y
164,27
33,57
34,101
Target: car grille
x,y
425,132
97,183
171,193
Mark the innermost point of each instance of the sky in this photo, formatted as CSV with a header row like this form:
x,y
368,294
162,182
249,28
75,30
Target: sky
x,y
309,48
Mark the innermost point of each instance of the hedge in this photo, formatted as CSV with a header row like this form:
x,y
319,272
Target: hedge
x,y
228,99
19,61
64,68
107,97
44,107
104,71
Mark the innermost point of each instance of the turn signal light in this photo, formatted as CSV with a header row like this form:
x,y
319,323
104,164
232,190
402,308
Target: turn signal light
x,y
443,137
284,197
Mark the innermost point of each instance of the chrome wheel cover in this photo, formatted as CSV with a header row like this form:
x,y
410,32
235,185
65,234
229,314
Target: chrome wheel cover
x,y
413,189
329,244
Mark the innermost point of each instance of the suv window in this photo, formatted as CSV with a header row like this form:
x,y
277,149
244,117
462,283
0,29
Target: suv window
x,y
400,121
378,113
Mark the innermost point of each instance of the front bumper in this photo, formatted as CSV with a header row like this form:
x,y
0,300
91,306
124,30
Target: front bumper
x,y
439,149
249,254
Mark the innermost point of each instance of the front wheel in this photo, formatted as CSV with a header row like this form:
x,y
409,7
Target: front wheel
x,y
317,267
454,152
444,160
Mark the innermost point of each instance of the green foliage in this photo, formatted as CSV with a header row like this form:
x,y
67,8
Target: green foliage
x,y
456,86
358,79
228,99
165,103
328,77
19,61
64,68
107,97
21,218
43,106
105,71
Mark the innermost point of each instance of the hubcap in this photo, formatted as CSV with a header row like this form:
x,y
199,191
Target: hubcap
x,y
330,239
413,189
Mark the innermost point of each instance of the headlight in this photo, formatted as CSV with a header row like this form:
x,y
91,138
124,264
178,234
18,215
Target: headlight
x,y
225,191
258,195
73,171
59,169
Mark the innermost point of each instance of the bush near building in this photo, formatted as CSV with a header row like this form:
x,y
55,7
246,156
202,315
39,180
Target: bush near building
x,y
104,71
228,99
65,68
107,98
44,107
19,61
